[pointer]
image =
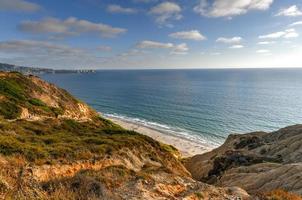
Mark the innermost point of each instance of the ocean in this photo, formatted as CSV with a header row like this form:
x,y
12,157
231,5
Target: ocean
x,y
203,105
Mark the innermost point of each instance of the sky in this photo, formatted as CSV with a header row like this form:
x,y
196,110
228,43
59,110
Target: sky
x,y
151,34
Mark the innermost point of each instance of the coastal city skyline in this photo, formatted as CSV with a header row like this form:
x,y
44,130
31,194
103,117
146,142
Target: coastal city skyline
x,y
147,34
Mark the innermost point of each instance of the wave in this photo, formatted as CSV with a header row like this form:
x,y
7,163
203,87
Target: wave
x,y
166,129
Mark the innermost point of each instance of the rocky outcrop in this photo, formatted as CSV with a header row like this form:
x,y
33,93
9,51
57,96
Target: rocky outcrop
x,y
256,162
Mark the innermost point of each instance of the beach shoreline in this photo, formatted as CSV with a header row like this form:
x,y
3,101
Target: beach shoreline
x,y
186,147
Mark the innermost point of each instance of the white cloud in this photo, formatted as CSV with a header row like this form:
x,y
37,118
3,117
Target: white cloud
x,y
298,23
70,26
165,12
175,49
147,44
263,51
224,8
113,8
238,46
30,47
291,11
181,49
289,33
190,35
233,40
272,35
266,42
47,54
18,5
132,53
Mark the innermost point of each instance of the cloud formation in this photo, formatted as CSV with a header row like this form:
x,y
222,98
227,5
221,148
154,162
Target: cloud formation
x,y
113,8
298,23
70,26
18,5
32,47
47,54
175,49
291,11
232,40
266,42
263,51
189,35
148,44
223,8
166,12
287,34
181,49
238,46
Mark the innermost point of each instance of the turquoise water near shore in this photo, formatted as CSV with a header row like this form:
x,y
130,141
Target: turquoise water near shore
x,y
202,105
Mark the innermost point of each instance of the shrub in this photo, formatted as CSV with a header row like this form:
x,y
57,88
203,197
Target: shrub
x,y
11,89
9,110
36,102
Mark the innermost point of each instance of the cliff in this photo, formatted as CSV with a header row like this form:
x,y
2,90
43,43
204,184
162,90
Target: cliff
x,y
53,146
257,162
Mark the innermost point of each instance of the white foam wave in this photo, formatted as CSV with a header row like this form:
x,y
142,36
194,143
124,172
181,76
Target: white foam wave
x,y
174,131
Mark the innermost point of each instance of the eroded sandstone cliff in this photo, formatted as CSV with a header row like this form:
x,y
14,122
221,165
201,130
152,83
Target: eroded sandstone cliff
x,y
257,162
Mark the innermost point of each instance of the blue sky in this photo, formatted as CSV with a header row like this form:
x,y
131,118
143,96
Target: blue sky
x,y
140,34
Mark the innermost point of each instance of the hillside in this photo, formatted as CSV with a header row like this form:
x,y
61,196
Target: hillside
x,y
53,146
28,97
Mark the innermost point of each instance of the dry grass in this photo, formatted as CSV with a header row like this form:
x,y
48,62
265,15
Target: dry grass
x,y
279,194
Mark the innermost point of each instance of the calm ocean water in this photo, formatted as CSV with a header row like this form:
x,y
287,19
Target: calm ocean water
x,y
201,105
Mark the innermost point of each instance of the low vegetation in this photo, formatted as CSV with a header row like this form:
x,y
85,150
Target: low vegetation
x,y
66,140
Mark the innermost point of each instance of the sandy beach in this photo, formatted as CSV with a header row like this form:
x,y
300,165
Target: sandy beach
x,y
186,147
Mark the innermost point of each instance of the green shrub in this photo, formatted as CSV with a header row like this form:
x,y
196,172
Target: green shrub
x,y
11,89
57,111
9,110
36,102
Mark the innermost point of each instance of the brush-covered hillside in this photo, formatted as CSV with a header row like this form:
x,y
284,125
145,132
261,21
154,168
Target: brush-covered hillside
x,y
53,146
28,97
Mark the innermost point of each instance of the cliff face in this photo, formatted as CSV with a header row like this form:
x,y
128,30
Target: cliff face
x,y
257,162
52,146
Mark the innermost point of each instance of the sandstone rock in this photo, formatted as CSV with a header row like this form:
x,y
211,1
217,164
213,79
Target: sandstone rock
x,y
256,162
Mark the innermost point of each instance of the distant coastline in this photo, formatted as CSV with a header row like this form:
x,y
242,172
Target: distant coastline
x,y
37,70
